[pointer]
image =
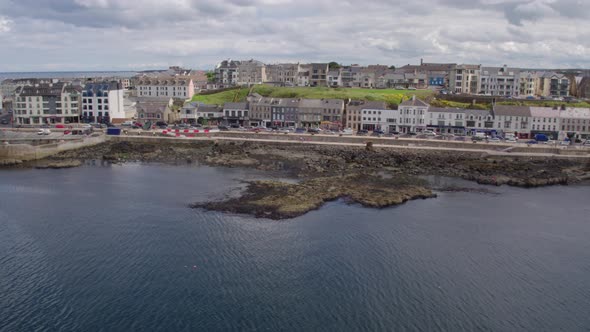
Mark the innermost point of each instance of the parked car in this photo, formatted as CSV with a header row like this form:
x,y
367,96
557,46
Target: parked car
x,y
377,133
495,140
362,132
223,128
44,131
4,122
314,130
346,131
300,131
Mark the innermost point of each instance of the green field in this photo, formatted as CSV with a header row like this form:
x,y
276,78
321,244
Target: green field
x,y
221,98
390,96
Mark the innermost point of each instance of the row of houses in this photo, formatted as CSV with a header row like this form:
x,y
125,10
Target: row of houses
x,y
411,116
459,78
417,116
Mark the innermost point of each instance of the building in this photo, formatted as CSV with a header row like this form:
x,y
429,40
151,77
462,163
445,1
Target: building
x,y
166,87
464,79
47,104
513,120
412,115
102,102
260,110
236,114
380,119
478,121
545,120
155,110
499,81
226,73
318,74
551,84
446,120
334,78
575,122
250,72
527,84
284,112
283,73
353,117
327,113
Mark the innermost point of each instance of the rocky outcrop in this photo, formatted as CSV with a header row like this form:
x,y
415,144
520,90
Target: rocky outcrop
x,y
56,164
280,200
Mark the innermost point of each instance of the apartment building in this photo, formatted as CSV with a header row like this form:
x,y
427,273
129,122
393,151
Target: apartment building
x,y
499,81
102,102
226,73
575,122
236,113
47,104
544,120
380,119
550,84
284,73
446,120
318,74
513,119
250,72
165,87
528,84
464,78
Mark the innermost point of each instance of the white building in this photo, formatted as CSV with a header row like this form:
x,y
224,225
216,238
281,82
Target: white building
x,y
103,102
166,87
446,120
412,115
545,120
386,120
575,122
499,81
47,104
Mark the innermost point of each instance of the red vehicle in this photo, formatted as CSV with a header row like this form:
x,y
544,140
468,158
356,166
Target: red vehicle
x,y
60,126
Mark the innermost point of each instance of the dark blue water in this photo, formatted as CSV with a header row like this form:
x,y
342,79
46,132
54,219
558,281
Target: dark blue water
x,y
117,249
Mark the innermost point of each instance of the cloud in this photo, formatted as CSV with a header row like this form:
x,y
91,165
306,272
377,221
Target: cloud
x,y
125,34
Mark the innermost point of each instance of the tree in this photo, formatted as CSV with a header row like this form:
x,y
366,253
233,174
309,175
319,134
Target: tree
x,y
210,76
334,65
392,67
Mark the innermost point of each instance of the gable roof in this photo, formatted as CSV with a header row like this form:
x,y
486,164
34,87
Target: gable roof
x,y
512,110
414,102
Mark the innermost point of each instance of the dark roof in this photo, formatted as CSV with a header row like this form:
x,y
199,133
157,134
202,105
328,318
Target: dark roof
x,y
446,109
512,110
362,104
414,102
102,87
236,106
41,90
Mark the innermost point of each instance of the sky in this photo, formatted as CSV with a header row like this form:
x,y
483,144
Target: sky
x,y
73,35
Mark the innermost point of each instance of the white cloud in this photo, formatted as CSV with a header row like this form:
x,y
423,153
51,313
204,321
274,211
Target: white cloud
x,y
107,34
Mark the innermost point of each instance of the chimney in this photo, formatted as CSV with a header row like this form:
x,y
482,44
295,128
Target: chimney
x,y
421,61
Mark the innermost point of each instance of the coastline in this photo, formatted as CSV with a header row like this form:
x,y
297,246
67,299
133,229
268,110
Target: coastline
x,y
371,176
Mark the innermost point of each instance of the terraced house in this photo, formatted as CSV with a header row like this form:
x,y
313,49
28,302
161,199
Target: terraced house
x,y
102,102
47,104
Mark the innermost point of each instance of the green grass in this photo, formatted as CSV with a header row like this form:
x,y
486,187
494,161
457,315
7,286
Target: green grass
x,y
221,98
545,103
456,104
390,96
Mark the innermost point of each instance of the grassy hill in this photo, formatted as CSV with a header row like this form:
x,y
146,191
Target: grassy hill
x,y
389,96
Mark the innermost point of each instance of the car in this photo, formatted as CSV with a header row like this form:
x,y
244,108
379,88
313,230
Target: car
x,y
346,131
161,123
4,122
429,133
586,142
362,132
223,128
531,142
44,132
495,139
284,130
411,88
377,133
314,130
300,131
564,143
511,140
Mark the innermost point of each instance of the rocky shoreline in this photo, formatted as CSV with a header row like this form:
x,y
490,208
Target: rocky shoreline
x,y
372,177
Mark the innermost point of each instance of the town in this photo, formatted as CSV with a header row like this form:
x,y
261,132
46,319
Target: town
x,y
502,102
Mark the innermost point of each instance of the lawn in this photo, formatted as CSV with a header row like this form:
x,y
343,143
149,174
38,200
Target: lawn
x,y
221,98
390,96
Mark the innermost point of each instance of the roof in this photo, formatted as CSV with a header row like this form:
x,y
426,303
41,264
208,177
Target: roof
x,y
102,86
544,112
152,106
362,104
446,110
512,110
164,80
414,102
41,90
578,113
321,103
240,106
475,112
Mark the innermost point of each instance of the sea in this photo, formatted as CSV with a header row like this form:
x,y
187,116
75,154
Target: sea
x,y
117,248
66,74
